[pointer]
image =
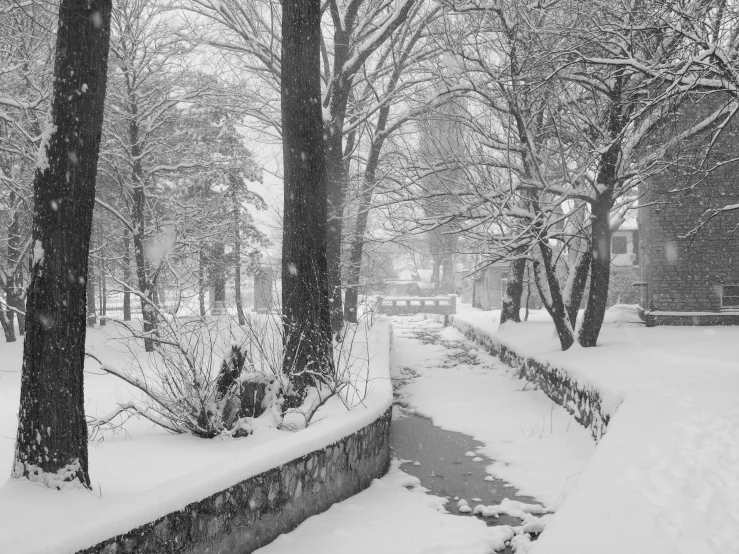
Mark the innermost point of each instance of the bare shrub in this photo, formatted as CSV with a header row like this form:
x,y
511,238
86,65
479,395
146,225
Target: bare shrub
x,y
212,377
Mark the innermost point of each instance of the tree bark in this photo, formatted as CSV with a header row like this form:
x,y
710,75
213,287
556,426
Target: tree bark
x,y
448,281
218,275
138,217
551,294
14,293
145,286
201,284
126,275
7,316
103,292
511,310
51,444
237,257
305,281
600,272
90,290
360,227
576,286
336,174
336,198
7,325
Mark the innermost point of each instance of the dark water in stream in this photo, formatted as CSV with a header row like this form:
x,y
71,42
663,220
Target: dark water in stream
x,y
444,468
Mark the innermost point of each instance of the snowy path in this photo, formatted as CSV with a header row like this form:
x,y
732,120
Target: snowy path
x,y
438,373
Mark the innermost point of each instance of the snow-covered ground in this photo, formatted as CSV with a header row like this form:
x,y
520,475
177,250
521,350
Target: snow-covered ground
x,y
665,477
143,473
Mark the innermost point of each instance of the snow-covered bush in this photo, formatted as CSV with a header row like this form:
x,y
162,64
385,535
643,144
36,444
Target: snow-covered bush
x,y
203,375
212,377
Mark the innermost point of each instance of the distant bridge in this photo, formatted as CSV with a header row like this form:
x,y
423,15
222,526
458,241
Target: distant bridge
x,y
405,305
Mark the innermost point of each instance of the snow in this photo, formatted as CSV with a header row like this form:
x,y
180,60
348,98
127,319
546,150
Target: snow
x,y
42,161
535,443
60,480
38,252
143,473
665,477
393,516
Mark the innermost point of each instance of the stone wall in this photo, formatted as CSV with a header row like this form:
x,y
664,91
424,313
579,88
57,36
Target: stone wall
x,y
254,512
583,401
684,271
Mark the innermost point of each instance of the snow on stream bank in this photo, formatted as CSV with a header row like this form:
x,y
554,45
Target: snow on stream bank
x,y
665,477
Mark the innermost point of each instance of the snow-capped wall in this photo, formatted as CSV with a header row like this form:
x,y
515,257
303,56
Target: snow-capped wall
x,y
249,499
581,399
255,511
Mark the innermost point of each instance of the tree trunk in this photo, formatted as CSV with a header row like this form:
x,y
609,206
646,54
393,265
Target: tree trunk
x,y
90,288
365,201
12,295
337,175
138,217
104,293
551,294
126,276
448,281
145,286
511,310
528,292
600,272
7,324
436,268
336,191
218,277
237,258
51,445
201,284
577,280
305,284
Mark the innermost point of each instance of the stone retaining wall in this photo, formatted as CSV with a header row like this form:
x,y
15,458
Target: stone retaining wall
x,y
583,401
254,512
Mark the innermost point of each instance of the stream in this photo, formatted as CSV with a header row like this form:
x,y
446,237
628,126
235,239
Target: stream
x,y
443,467
444,462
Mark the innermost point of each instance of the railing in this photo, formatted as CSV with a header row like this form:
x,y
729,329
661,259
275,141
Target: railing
x,y
402,305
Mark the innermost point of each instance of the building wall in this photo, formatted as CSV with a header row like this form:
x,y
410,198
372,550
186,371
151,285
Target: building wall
x,y
683,272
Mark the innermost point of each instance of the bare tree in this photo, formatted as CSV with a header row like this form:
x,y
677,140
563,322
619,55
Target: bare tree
x,y
356,29
51,445
305,285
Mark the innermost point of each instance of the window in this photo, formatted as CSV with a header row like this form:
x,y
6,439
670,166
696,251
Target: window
x,y
618,245
730,297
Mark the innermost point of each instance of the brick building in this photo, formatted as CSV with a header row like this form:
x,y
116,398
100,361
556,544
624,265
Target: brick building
x,y
689,277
